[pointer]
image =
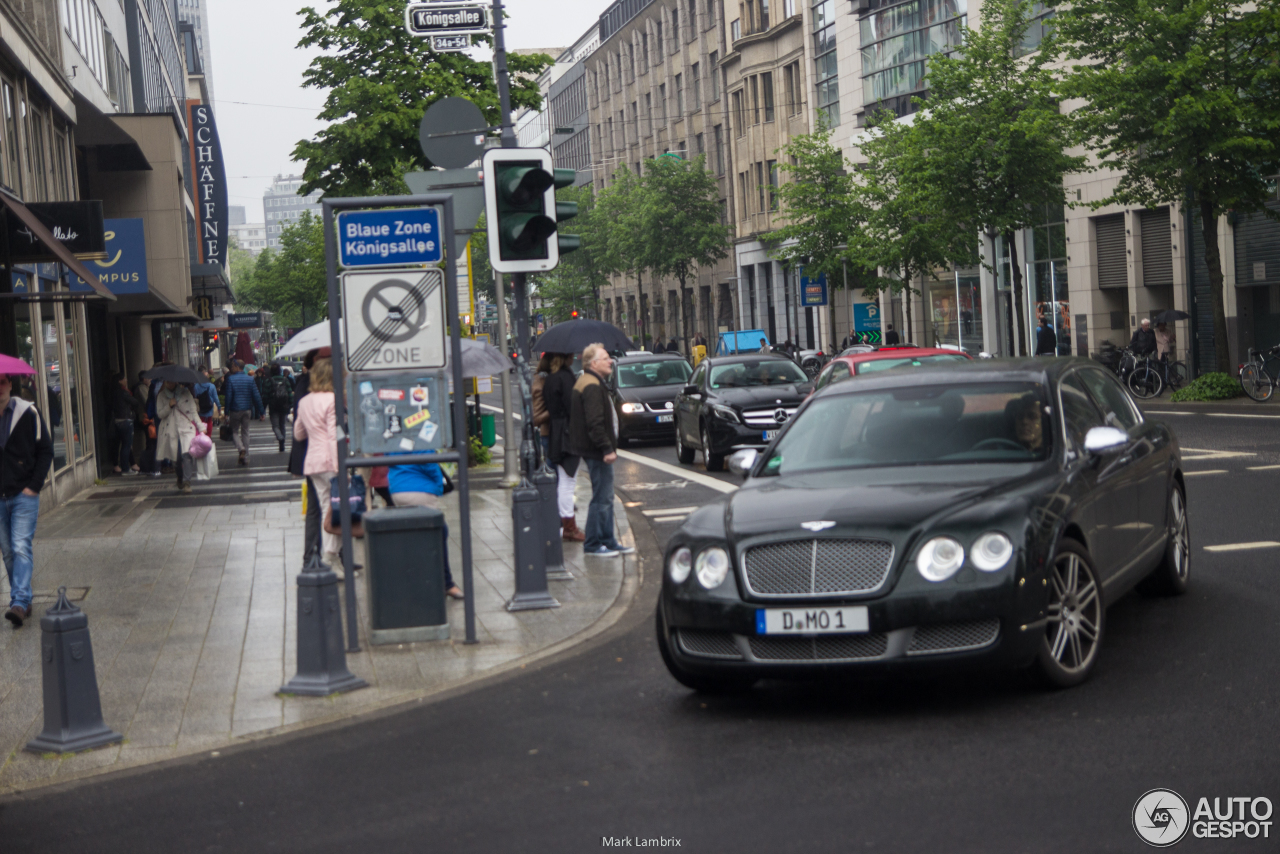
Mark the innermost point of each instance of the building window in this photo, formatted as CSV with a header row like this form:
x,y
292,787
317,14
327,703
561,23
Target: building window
x,y
760,187
895,44
735,30
788,8
755,99
679,96
717,137
766,84
772,167
764,15
648,113
742,194
738,113
824,51
662,99
697,144
715,75
695,87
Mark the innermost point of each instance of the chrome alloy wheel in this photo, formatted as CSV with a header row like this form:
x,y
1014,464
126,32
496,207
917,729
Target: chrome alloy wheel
x,y
1181,533
1074,614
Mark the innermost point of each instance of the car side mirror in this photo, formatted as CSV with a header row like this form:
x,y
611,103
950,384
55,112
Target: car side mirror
x,y
741,462
691,390
1101,441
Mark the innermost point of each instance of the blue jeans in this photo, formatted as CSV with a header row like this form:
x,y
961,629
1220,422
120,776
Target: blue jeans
x,y
17,528
599,528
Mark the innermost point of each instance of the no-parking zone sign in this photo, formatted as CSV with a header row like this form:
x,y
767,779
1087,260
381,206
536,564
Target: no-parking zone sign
x,y
394,319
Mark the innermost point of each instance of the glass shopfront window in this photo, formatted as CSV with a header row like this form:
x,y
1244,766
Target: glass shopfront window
x,y
1048,294
956,312
53,383
72,387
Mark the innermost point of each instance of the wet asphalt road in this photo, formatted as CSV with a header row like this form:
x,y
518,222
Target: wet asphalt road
x,y
601,742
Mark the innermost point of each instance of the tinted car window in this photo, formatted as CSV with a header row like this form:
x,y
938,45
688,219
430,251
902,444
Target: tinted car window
x,y
1117,409
645,374
929,425
916,361
1079,415
757,373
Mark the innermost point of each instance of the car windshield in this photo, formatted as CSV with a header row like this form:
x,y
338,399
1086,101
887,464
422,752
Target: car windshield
x,y
754,373
924,425
874,365
660,372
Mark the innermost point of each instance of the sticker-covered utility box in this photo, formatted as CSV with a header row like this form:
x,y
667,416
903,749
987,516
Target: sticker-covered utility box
x,y
392,412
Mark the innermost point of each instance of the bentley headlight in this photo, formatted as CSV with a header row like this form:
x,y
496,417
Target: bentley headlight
x,y
939,558
991,551
680,564
632,407
711,567
725,412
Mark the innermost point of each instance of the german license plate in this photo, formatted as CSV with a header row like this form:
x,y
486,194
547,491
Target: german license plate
x,y
665,419
770,435
811,621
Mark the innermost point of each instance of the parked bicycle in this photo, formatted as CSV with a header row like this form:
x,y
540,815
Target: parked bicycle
x,y
1256,379
1145,380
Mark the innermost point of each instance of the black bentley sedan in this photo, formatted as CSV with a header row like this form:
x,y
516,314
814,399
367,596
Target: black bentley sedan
x,y
644,387
735,402
976,513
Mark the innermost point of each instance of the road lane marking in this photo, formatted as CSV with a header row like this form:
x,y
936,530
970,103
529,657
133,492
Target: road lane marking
x,y
1238,415
1209,471
1263,468
1171,412
669,518
1239,547
687,474
668,511
1209,454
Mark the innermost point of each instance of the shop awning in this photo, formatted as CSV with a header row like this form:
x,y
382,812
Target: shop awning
x,y
116,149
211,280
64,256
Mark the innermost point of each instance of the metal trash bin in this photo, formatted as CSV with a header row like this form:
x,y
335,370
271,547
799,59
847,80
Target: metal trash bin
x,y
404,570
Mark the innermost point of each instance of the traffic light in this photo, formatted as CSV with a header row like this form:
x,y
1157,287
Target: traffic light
x,y
522,212
573,315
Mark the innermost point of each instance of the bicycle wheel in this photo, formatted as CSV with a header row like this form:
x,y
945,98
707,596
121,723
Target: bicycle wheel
x,y
1256,382
1145,382
1178,375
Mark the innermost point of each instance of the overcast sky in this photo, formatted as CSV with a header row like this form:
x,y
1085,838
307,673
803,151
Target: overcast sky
x,y
255,63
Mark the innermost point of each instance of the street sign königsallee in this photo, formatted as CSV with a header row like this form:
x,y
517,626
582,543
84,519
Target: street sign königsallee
x,y
439,19
389,237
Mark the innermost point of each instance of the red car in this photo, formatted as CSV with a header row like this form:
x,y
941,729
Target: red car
x,y
883,359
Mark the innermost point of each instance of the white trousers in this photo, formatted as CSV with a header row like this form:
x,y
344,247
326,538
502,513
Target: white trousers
x,y
565,485
332,542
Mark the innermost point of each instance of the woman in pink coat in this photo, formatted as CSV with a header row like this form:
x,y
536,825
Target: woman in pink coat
x,y
317,423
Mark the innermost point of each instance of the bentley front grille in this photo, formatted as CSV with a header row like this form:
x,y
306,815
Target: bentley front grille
x,y
820,567
829,648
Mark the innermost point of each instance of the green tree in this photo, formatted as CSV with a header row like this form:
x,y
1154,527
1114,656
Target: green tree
x,y
584,271
1182,101
623,249
680,223
819,208
291,283
909,229
991,139
380,80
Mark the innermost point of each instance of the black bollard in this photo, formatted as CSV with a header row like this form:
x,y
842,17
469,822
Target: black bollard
x,y
545,480
72,708
322,656
531,568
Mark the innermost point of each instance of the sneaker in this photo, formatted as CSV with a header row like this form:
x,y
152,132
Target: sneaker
x,y
623,550
153,474
186,487
600,551
129,473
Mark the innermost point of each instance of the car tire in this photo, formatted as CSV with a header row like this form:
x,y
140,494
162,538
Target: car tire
x,y
1067,654
1173,575
683,454
715,462
698,682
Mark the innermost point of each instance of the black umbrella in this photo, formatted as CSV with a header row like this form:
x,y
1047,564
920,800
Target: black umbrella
x,y
173,374
1169,315
573,336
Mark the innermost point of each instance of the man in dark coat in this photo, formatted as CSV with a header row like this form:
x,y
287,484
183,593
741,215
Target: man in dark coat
x,y
1046,339
1143,342
890,335
26,452
593,435
658,347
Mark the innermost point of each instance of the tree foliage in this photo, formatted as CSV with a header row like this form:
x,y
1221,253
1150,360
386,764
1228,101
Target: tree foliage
x,y
1182,99
818,207
292,283
992,138
623,251
380,80
576,282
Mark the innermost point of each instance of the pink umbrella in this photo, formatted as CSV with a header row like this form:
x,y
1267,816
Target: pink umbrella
x,y
14,365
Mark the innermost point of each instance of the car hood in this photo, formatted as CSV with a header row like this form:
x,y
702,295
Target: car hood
x,y
758,396
649,394
883,501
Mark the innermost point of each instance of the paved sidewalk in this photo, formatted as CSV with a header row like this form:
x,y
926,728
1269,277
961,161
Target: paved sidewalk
x,y
192,613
